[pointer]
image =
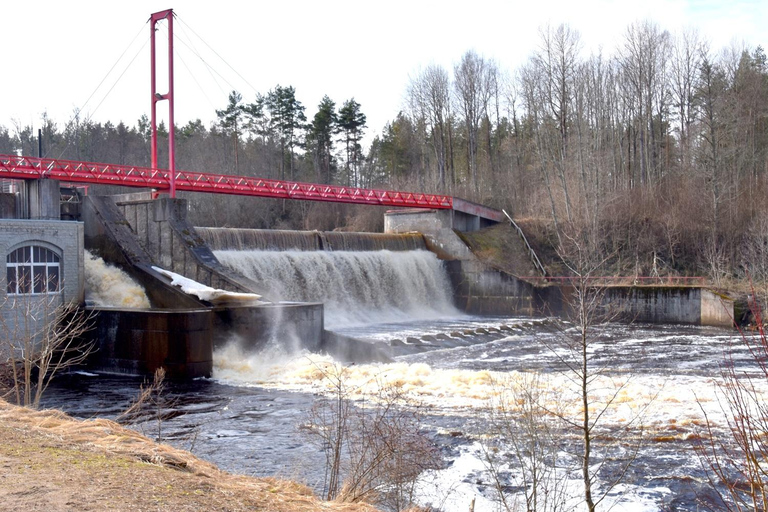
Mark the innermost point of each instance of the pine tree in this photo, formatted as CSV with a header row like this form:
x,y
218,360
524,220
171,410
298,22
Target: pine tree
x,y
229,120
288,119
321,131
352,123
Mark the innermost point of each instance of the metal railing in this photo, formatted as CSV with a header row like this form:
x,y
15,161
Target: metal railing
x,y
620,280
531,253
24,168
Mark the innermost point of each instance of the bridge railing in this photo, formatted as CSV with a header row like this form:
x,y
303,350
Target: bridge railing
x,y
619,280
25,168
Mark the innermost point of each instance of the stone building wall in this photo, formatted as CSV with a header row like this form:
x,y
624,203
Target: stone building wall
x,y
23,315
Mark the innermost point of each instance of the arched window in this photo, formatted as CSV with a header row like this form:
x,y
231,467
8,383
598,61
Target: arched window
x,y
32,270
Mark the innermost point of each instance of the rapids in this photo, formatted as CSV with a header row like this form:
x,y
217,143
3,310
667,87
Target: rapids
x,y
660,382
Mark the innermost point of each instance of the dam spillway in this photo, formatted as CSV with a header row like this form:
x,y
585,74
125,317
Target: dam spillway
x,y
356,287
361,278
285,240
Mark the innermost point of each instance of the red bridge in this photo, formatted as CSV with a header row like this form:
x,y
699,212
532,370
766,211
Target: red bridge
x,y
27,168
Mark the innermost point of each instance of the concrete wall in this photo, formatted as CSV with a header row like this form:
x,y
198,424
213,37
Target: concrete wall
x,y
716,309
291,326
137,342
161,227
649,304
478,288
108,235
669,304
43,199
656,304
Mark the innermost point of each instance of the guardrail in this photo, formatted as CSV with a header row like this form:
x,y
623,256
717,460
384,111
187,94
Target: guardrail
x,y
531,253
25,168
620,280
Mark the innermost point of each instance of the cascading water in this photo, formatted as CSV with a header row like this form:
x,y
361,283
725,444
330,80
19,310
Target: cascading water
x,y
256,401
357,287
107,285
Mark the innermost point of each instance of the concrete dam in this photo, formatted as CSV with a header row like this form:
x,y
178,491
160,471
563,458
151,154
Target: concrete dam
x,y
310,283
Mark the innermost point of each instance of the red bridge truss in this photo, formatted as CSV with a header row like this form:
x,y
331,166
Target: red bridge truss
x,y
27,168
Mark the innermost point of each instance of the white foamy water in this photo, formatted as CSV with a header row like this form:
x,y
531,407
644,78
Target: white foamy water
x,y
357,287
660,385
670,407
107,285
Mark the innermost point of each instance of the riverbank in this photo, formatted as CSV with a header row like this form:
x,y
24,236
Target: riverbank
x,y
51,462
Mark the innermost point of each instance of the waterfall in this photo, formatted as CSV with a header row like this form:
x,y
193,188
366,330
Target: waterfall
x,y
107,285
357,287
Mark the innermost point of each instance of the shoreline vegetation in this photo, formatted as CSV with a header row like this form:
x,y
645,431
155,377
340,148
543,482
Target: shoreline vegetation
x,y
50,461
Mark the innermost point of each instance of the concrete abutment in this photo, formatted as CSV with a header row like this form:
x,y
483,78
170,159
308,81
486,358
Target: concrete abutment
x,y
481,289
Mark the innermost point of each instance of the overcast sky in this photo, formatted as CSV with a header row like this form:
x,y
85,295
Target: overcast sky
x,y
56,53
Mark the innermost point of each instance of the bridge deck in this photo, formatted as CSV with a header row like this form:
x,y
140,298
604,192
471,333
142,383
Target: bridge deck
x,y
27,168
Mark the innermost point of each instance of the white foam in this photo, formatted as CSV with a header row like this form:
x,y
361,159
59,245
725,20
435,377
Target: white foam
x,y
107,285
356,287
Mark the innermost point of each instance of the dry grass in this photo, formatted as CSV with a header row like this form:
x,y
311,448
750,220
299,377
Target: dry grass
x,y
49,461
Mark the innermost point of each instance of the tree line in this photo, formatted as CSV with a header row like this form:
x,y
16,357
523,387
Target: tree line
x,y
660,148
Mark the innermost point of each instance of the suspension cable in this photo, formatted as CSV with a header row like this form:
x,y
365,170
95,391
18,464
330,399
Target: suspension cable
x,y
77,112
219,56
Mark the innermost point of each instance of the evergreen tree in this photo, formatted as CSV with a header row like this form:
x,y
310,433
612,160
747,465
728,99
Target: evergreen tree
x,y
352,123
288,119
229,120
320,136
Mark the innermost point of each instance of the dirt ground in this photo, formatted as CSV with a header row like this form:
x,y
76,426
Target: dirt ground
x,y
50,462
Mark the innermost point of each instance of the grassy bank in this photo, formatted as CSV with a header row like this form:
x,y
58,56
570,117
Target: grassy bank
x,y
51,462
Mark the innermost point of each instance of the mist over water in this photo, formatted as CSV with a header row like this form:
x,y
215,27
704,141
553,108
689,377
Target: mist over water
x,y
357,287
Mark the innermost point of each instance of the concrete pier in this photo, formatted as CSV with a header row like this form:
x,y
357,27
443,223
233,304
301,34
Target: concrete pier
x,y
137,342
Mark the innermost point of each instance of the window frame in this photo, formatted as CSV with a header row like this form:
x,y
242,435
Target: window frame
x,y
27,265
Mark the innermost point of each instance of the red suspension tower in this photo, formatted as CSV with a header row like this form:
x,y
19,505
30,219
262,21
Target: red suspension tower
x,y
158,16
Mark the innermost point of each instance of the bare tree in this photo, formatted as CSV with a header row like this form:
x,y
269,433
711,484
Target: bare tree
x,y
430,98
685,64
375,451
523,444
474,79
557,59
588,309
644,58
738,460
41,337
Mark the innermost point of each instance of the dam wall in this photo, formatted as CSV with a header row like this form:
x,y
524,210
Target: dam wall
x,y
477,287
220,239
108,235
181,331
673,304
138,342
691,305
161,227
482,289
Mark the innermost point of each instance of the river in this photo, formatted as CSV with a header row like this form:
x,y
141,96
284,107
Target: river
x,y
659,380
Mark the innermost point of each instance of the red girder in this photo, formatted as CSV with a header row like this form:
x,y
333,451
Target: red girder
x,y
25,168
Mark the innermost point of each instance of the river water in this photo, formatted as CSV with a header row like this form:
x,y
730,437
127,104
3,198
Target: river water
x,y
660,381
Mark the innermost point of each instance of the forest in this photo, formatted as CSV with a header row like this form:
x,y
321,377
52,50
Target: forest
x,y
656,153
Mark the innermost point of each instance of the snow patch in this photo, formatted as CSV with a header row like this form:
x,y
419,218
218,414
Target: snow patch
x,y
206,293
